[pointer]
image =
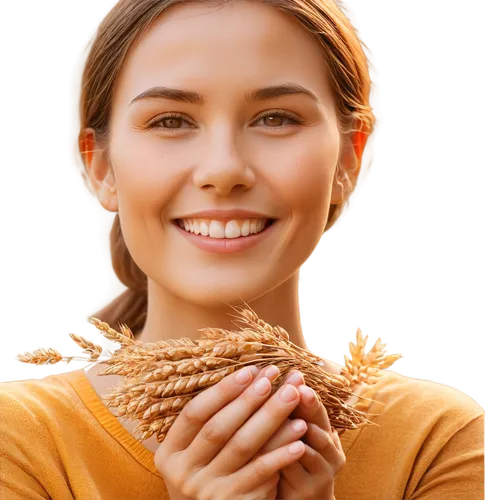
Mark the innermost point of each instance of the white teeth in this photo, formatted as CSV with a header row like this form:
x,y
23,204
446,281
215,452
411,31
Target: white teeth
x,y
232,229
245,229
205,231
220,229
216,229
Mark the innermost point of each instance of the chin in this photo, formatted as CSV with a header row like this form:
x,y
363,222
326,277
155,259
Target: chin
x,y
221,294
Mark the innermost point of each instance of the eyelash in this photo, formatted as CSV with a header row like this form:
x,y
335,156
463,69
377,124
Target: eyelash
x,y
278,112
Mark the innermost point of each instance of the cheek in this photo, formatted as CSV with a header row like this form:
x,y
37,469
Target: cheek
x,y
303,175
145,174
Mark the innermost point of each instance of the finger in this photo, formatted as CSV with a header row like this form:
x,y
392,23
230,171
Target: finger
x,y
295,476
311,409
290,431
256,430
326,456
310,468
201,409
336,439
295,378
321,442
214,437
284,488
263,467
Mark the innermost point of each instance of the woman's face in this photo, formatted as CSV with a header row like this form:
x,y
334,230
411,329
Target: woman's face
x,y
173,157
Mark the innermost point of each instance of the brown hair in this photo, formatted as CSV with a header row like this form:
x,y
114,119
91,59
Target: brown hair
x,y
129,19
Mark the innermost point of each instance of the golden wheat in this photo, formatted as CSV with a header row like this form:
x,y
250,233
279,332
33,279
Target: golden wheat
x,y
160,378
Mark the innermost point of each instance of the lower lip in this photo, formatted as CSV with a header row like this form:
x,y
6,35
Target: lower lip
x,y
225,245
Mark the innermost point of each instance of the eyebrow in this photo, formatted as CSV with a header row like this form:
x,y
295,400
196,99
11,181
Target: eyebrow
x,y
191,97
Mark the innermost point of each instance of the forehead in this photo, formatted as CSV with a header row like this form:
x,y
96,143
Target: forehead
x,y
227,48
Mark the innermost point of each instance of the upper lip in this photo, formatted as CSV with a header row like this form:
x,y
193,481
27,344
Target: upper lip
x,y
225,215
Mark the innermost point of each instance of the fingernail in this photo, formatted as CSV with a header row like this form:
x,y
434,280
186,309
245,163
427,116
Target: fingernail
x,y
307,394
298,425
255,371
271,372
243,376
262,386
295,378
288,393
296,447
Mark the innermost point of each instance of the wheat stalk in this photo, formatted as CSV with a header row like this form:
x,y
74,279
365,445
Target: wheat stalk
x,y
160,378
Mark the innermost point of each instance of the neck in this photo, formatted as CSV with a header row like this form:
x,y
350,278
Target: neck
x,y
171,317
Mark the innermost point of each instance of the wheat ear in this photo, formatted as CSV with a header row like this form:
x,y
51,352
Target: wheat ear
x,y
160,378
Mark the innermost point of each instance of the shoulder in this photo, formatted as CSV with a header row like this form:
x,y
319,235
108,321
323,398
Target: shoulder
x,y
406,397
423,437
33,404
419,413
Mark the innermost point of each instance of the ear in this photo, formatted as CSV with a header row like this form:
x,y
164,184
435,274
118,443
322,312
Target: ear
x,y
358,141
98,170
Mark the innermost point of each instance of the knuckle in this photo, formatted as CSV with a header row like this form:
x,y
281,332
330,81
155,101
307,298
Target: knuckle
x,y
190,488
172,474
213,434
242,447
205,493
163,465
261,468
200,484
191,415
326,441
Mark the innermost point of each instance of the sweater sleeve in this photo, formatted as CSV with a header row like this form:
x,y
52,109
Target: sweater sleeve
x,y
16,483
457,471
19,429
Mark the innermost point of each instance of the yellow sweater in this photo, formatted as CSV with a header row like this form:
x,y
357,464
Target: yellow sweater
x,y
59,441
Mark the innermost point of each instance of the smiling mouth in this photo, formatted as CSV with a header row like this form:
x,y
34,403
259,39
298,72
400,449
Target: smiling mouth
x,y
225,229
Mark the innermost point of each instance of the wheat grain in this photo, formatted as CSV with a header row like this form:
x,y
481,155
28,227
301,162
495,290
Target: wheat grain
x,y
112,334
160,378
89,347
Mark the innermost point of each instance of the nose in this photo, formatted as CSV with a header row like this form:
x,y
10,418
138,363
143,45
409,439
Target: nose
x,y
222,167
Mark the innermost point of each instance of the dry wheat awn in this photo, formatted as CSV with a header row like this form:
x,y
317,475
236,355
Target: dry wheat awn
x,y
160,378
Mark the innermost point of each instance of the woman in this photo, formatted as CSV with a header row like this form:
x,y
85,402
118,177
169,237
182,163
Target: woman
x,y
228,137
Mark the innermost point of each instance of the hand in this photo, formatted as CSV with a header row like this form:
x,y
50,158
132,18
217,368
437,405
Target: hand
x,y
311,477
209,452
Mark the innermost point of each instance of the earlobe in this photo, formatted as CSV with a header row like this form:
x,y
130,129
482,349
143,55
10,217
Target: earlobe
x,y
107,196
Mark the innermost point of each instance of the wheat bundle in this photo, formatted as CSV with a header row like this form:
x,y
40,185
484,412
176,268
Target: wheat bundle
x,y
160,378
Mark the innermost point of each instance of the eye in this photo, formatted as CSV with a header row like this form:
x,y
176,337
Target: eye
x,y
275,118
170,121
272,119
